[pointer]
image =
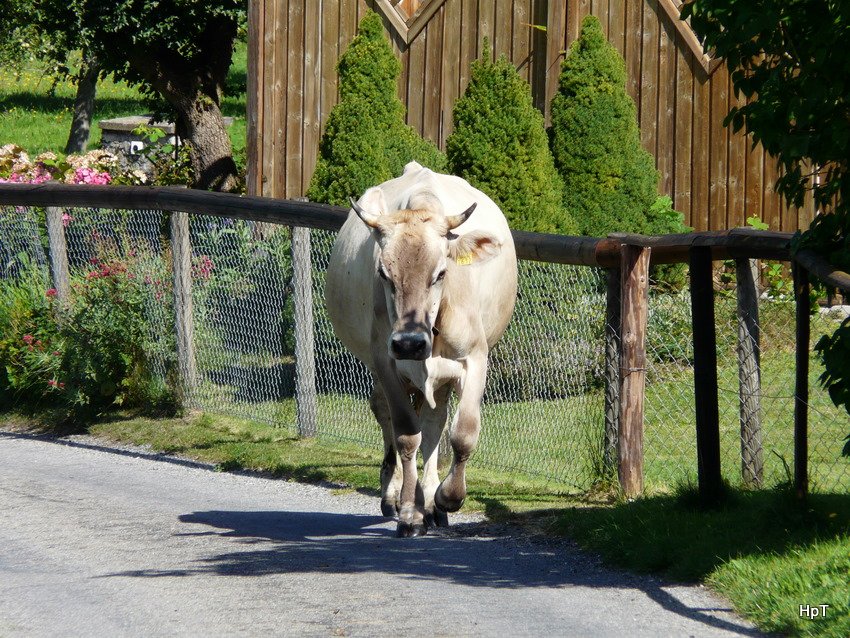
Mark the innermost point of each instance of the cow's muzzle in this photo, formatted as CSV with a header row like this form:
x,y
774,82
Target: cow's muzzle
x,y
410,345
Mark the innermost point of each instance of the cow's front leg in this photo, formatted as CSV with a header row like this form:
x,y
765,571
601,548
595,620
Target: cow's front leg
x,y
466,427
433,422
391,465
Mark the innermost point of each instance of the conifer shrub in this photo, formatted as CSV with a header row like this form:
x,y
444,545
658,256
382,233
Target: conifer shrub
x,y
610,181
499,145
366,141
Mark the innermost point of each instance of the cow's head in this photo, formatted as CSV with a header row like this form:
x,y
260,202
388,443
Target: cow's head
x,y
418,249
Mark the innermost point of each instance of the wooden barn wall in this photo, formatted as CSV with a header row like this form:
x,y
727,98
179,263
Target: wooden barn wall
x,y
714,177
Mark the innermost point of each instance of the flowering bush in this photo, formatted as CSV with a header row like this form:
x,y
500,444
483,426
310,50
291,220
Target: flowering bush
x,y
95,167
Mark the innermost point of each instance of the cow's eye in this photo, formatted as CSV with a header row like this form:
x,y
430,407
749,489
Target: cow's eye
x,y
440,276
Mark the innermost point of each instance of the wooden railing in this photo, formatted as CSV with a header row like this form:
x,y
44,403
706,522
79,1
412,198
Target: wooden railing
x,y
627,258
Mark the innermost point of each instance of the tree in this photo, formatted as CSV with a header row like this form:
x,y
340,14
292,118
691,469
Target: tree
x,y
790,60
178,50
366,141
499,145
610,180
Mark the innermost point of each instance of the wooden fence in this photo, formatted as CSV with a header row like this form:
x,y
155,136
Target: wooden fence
x,y
713,175
627,257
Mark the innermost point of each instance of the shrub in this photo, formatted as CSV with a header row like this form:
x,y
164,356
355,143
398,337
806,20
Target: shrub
x,y
366,141
499,145
610,180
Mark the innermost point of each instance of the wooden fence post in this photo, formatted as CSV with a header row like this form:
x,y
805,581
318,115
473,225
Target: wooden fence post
x,y
749,372
634,297
612,374
801,385
305,357
58,246
705,374
181,258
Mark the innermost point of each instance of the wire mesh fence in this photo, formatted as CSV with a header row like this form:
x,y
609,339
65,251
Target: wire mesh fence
x,y
544,406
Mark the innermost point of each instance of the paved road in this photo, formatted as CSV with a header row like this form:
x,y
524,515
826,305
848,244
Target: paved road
x,y
101,542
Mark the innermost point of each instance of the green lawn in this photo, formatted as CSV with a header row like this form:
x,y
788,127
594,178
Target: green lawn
x,y
36,114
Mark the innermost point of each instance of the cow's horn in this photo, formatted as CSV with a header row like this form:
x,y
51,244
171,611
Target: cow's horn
x,y
456,220
368,218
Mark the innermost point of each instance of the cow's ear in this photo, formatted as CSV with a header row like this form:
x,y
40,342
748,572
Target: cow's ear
x,y
370,207
476,246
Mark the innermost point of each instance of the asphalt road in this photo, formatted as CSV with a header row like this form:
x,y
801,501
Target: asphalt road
x,y
103,542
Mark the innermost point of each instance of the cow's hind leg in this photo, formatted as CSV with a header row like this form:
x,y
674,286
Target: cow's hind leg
x,y
433,422
391,476
466,427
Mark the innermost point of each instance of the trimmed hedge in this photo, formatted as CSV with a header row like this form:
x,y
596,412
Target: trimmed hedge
x,y
499,145
366,141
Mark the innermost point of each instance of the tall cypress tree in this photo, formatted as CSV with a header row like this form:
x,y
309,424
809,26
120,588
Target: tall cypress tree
x,y
499,145
610,180
366,141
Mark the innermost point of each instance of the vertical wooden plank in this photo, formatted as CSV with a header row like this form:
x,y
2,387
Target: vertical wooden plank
x,y
648,105
683,141
599,8
801,385
749,371
503,28
617,25
305,356
487,25
634,38
538,50
667,82
521,37
736,210
470,42
613,324
719,150
274,104
754,190
416,84
294,155
452,39
181,256
705,374
556,33
431,117
312,118
701,150
330,56
772,200
634,292
58,247
254,98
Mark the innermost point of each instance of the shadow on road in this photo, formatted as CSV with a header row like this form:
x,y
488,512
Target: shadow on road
x,y
314,542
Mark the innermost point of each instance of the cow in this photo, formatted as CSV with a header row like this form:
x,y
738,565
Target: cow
x,y
420,285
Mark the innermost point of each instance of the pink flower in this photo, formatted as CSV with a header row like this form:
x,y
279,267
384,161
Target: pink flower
x,y
28,339
51,292
66,219
87,175
52,383
56,353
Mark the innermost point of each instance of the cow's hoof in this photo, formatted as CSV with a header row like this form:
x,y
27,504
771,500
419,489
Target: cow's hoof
x,y
409,530
441,518
388,508
446,504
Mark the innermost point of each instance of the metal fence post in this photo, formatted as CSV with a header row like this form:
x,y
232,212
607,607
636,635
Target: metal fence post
x,y
634,298
305,356
181,258
749,372
58,254
612,373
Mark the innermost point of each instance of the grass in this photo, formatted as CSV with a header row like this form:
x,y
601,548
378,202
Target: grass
x,y
36,114
763,550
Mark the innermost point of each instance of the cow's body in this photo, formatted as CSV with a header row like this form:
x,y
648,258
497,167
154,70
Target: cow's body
x,y
405,297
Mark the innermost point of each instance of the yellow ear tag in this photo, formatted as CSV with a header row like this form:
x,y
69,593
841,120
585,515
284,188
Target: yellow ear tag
x,y
464,260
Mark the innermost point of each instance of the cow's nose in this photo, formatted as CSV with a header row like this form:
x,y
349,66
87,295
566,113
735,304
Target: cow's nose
x,y
409,345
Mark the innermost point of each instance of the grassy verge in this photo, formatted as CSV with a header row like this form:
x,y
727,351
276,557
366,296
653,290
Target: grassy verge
x,y
764,551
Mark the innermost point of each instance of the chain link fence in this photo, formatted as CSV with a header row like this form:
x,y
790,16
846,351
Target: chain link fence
x,y
544,407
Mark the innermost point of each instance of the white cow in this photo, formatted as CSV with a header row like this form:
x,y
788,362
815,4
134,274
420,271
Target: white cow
x,y
419,292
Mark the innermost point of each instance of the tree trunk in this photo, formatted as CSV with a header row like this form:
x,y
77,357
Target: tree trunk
x,y
78,138
202,125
